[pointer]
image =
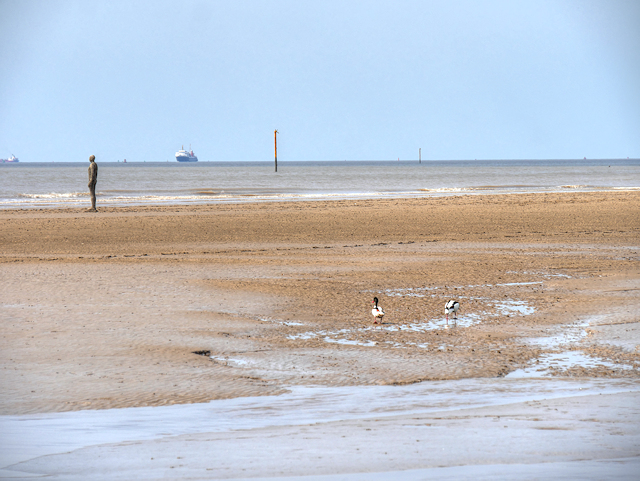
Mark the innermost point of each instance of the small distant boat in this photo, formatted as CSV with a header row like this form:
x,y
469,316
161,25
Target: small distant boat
x,y
186,156
13,158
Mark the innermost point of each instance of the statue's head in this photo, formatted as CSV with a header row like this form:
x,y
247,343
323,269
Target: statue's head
x,y
92,158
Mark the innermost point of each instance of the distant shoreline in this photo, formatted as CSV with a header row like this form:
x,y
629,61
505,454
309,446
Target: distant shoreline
x,y
209,200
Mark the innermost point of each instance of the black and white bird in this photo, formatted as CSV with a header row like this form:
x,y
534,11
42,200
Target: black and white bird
x,y
377,311
451,307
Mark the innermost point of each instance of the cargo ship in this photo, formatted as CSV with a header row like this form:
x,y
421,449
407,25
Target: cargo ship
x,y
186,156
13,158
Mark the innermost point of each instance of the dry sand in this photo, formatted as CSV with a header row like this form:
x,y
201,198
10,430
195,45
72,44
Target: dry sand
x,y
104,310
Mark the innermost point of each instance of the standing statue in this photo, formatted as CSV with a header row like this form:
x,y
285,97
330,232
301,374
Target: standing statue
x,y
93,179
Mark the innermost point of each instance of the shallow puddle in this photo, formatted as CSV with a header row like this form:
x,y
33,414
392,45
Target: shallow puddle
x,y
231,362
502,308
352,343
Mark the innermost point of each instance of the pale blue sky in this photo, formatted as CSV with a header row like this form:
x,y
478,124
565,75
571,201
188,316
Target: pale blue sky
x,y
340,80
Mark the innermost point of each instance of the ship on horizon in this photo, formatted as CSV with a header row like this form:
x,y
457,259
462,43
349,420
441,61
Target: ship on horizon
x,y
11,159
186,156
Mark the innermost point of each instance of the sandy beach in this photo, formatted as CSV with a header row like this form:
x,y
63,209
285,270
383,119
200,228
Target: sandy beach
x,y
157,306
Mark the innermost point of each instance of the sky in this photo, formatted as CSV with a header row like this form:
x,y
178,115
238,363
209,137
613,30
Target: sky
x,y
339,80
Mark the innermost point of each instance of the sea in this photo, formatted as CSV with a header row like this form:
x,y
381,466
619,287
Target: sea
x,y
55,185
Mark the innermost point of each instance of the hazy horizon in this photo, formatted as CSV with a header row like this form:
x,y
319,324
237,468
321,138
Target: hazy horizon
x,y
406,161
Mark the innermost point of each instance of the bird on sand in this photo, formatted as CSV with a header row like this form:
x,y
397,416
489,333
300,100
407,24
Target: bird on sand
x,y
451,307
377,311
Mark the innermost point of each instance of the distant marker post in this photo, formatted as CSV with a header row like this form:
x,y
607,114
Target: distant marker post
x,y
275,147
420,155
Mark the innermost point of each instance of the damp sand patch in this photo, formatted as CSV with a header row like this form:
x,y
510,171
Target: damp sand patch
x,y
566,335
433,291
284,323
554,364
341,336
511,307
569,358
624,335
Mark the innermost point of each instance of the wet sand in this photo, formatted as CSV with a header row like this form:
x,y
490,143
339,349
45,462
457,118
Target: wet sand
x,y
466,429
105,310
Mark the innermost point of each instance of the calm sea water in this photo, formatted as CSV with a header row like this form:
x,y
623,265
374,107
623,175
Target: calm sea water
x,y
29,185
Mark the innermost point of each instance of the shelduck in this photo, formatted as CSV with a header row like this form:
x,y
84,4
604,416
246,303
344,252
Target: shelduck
x,y
377,311
451,307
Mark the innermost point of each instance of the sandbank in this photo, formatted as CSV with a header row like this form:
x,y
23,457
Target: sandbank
x,y
156,306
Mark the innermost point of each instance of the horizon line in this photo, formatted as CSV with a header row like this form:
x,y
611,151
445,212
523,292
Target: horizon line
x,y
323,160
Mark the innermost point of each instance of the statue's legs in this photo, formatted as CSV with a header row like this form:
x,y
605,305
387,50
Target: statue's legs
x,y
92,190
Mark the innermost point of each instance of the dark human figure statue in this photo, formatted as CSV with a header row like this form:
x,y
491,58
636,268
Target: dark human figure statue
x,y
93,179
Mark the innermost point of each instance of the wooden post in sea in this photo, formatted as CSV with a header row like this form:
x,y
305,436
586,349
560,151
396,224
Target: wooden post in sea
x,y
275,147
